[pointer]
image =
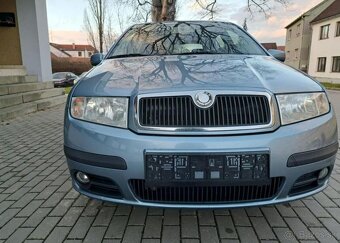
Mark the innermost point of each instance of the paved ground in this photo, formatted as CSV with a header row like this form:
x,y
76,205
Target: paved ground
x,y
38,204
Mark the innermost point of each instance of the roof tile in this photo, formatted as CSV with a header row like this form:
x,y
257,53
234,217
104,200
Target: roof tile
x,y
332,10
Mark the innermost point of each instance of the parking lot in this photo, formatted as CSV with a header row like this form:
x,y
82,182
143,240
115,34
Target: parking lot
x,y
38,204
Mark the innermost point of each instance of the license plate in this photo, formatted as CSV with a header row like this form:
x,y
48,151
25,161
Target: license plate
x,y
166,168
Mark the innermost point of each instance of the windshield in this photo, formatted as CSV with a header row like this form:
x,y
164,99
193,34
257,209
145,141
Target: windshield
x,y
185,38
59,75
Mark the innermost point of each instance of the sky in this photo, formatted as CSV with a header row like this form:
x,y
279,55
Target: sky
x,y
65,18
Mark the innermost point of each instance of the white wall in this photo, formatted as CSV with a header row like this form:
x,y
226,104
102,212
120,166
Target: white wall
x,y
76,54
34,40
324,48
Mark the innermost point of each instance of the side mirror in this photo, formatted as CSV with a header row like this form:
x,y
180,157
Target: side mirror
x,y
279,55
96,59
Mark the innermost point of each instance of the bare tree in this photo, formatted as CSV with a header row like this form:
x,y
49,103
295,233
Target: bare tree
x,y
88,28
245,25
208,7
109,35
163,10
94,21
138,13
263,6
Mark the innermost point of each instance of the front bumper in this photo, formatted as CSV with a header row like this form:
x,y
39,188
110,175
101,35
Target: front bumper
x,y
306,136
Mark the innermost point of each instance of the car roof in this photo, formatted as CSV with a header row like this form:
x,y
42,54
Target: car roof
x,y
189,21
184,21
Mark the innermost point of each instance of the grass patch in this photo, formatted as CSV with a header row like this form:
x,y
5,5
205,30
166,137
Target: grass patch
x,y
331,85
68,90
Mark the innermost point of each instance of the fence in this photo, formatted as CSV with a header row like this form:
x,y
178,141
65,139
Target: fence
x,y
75,65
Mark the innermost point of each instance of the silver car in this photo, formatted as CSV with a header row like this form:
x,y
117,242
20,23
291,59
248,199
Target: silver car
x,y
197,115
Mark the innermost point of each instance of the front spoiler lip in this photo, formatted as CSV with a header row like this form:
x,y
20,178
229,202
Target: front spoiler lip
x,y
275,200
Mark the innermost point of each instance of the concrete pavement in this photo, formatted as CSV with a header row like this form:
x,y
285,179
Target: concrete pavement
x,y
38,204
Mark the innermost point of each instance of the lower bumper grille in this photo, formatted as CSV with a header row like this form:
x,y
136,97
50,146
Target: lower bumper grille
x,y
207,194
306,183
101,186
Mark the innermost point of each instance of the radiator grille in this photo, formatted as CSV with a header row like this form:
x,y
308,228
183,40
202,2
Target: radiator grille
x,y
207,194
227,111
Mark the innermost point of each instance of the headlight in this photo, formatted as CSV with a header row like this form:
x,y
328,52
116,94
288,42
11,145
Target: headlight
x,y
102,110
299,107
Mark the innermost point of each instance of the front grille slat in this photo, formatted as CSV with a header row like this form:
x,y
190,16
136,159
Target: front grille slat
x,y
248,111
244,110
207,193
267,112
261,108
226,111
257,109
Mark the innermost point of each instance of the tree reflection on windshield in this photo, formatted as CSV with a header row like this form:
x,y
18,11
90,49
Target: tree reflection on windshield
x,y
178,38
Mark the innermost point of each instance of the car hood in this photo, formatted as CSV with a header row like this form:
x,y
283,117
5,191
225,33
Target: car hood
x,y
139,75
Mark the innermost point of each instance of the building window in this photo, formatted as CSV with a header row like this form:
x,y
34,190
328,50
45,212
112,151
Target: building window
x,y
296,54
337,33
298,29
289,34
324,32
79,54
90,54
288,55
336,65
322,64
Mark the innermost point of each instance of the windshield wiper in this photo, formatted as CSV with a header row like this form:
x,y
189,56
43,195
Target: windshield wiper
x,y
127,55
200,52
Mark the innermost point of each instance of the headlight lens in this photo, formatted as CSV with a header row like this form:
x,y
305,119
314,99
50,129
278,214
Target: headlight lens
x,y
299,107
102,110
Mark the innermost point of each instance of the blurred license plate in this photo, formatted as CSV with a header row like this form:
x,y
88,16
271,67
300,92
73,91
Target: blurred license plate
x,y
164,168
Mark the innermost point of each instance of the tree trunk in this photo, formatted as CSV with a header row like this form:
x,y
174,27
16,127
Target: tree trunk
x,y
101,25
163,10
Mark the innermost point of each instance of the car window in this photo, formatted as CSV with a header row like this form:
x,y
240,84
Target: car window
x,y
59,75
83,74
185,38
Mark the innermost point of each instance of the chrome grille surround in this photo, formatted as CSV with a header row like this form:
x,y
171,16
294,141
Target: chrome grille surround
x,y
213,130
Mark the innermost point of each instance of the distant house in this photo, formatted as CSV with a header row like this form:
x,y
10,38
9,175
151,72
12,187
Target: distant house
x,y
72,50
299,36
281,48
325,48
273,45
269,46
